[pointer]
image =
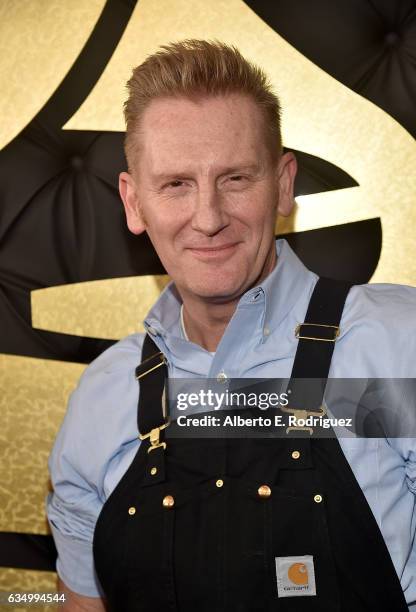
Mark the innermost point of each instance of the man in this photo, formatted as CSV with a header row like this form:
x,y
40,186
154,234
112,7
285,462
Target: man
x,y
218,525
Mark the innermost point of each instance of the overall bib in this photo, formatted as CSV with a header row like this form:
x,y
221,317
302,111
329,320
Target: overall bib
x,y
244,525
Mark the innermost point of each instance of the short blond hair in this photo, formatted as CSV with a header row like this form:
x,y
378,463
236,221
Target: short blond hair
x,y
199,67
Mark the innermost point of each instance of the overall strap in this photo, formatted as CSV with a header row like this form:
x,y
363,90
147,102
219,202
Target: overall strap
x,y
152,411
151,374
358,546
317,336
320,330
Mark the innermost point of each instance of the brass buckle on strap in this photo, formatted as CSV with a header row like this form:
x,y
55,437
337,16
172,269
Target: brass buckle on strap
x,y
154,435
302,414
162,362
335,327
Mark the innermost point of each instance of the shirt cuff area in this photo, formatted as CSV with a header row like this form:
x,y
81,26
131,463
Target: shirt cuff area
x,y
75,565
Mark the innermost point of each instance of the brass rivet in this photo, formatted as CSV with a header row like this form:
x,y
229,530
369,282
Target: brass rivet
x,y
219,483
317,499
264,491
132,510
153,471
168,501
295,455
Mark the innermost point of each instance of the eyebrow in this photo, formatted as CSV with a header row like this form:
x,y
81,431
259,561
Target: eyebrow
x,y
165,176
241,168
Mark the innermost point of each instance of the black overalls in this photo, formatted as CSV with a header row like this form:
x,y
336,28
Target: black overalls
x,y
201,525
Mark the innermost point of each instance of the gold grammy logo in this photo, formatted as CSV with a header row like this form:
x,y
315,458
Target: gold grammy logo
x,y
321,117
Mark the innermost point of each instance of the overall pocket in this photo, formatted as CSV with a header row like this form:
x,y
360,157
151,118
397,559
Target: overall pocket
x,y
300,553
174,549
148,561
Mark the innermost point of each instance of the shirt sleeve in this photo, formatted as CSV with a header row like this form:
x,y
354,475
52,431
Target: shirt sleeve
x,y
406,447
94,446
73,507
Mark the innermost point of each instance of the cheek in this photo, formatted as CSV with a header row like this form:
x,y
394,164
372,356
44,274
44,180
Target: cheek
x,y
256,205
163,232
259,216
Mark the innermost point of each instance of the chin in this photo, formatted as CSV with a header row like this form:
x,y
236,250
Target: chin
x,y
215,290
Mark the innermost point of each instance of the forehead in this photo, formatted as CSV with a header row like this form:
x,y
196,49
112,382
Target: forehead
x,y
186,132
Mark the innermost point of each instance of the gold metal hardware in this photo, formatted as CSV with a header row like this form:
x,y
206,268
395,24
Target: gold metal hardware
x,y
297,332
317,499
154,436
132,511
153,471
302,414
295,455
219,483
264,491
158,365
222,377
168,501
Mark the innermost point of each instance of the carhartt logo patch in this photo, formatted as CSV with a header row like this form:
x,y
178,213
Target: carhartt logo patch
x,y
295,576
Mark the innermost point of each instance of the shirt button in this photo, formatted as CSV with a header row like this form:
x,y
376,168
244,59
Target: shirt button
x,y
151,330
266,331
222,377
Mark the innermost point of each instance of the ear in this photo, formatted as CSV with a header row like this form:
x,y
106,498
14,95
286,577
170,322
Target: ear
x,y
128,193
286,172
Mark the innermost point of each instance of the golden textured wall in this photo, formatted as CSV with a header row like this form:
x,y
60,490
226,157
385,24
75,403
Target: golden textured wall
x,y
32,403
39,42
27,581
368,144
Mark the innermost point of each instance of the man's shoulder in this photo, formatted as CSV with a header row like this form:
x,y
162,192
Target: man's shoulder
x,y
104,402
378,332
118,356
102,408
118,362
384,303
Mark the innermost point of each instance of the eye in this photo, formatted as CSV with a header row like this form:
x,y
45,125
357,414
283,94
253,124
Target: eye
x,y
236,177
176,183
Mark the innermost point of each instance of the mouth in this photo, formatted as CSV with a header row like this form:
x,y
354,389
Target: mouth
x,y
214,252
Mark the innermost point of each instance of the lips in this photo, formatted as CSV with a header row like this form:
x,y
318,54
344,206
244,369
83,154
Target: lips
x,y
213,248
214,251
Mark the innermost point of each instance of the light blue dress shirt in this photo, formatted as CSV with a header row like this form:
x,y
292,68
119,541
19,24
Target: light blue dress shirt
x,y
98,438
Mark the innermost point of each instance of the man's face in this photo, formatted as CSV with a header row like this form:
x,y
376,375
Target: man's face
x,y
206,190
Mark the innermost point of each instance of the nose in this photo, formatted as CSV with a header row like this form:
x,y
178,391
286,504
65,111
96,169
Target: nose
x,y
209,216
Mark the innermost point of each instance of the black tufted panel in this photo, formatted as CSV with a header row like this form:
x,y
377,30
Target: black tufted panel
x,y
369,45
61,217
64,224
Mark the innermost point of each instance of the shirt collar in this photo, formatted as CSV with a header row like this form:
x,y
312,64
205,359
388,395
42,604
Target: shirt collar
x,y
284,285
279,292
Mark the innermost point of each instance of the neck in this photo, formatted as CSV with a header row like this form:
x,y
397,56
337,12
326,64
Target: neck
x,y
206,326
205,322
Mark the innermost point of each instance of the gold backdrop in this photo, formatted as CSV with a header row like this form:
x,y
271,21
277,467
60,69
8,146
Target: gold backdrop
x,y
321,117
